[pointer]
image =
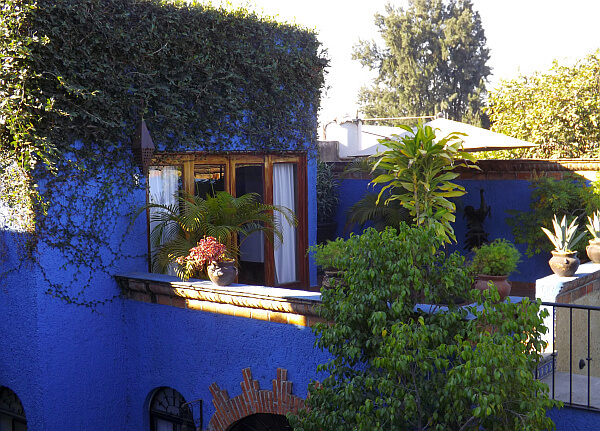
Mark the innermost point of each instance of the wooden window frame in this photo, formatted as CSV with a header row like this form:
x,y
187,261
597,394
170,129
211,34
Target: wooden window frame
x,y
230,160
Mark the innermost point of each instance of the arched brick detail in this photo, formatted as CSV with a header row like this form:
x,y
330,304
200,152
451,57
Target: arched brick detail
x,y
253,400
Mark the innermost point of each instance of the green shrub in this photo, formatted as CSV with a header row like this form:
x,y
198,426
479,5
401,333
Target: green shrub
x,y
500,257
327,255
570,196
395,366
327,192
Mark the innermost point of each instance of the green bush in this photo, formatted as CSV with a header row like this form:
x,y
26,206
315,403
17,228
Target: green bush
x,y
327,255
396,366
327,192
570,196
500,257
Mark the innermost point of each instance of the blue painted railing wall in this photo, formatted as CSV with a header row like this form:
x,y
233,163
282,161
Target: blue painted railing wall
x,y
500,195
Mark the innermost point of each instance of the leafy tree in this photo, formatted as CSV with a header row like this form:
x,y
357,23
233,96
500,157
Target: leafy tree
x,y
396,366
419,174
560,110
434,59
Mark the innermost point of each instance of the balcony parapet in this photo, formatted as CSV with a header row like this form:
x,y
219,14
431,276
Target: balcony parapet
x,y
272,304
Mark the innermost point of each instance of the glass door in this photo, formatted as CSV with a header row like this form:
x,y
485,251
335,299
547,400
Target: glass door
x,y
250,178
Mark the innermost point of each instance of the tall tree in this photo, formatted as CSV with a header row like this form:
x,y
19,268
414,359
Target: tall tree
x,y
434,59
559,109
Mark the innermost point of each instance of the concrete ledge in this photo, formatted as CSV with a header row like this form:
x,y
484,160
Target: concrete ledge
x,y
549,288
273,304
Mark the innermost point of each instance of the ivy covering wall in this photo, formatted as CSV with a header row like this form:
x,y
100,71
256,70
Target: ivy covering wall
x,y
78,76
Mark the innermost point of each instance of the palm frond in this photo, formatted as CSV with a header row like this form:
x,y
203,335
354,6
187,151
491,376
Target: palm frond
x,y
179,227
380,212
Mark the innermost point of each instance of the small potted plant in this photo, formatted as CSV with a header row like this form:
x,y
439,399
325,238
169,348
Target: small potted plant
x,y
564,262
213,255
326,256
494,262
593,250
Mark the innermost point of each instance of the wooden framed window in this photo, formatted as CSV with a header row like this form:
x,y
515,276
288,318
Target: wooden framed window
x,y
279,179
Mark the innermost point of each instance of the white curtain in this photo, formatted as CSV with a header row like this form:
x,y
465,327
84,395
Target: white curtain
x,y
164,184
284,194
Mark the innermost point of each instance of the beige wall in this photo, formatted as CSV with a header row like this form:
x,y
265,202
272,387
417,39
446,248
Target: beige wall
x,y
580,339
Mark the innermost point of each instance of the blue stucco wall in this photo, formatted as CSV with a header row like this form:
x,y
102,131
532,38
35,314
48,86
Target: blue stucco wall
x,y
189,350
77,369
72,366
570,419
500,195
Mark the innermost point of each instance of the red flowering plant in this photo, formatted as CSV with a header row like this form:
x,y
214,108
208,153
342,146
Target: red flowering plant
x,y
207,251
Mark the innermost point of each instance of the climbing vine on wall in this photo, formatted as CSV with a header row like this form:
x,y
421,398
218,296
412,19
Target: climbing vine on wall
x,y
78,76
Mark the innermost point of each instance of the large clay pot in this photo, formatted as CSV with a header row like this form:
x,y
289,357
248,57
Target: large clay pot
x,y
500,281
564,264
222,273
593,251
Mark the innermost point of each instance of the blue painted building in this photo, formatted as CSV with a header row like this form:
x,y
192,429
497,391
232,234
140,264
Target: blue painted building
x,y
89,339
228,100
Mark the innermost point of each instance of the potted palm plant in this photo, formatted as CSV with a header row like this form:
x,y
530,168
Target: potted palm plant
x,y
494,262
564,262
229,220
593,250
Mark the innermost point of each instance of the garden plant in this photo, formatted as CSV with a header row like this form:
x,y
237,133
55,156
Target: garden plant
x,y
419,175
181,226
571,196
398,365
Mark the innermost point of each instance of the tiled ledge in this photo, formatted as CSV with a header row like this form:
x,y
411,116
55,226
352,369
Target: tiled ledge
x,y
272,304
567,289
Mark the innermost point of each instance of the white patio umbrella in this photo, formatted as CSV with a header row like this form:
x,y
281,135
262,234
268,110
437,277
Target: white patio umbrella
x,y
477,139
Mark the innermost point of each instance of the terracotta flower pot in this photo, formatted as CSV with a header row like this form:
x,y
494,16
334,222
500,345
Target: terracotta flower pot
x,y
593,251
500,281
564,264
222,273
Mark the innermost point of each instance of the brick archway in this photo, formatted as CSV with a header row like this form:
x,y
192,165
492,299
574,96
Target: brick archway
x,y
278,401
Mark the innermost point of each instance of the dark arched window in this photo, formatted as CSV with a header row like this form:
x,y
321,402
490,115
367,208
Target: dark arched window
x,y
168,412
12,415
262,422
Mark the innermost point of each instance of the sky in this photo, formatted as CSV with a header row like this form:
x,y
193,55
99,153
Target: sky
x,y
524,36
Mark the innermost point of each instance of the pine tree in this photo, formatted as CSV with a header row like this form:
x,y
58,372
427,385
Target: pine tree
x,y
434,60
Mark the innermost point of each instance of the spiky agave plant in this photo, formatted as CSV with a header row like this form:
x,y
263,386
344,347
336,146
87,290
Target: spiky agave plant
x,y
180,226
594,226
565,237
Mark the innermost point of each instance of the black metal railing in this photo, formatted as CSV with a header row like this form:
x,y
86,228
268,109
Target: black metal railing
x,y
564,341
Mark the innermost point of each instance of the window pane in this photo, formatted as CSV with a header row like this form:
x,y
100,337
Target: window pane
x,y
164,184
208,179
284,194
250,179
5,423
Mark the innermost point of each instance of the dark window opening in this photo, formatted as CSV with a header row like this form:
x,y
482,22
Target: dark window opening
x,y
262,422
169,411
12,414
